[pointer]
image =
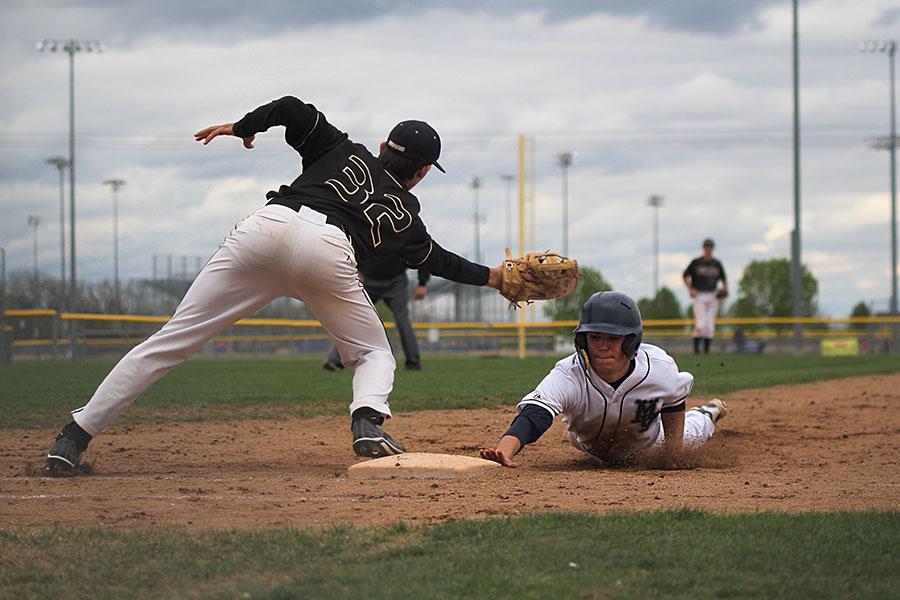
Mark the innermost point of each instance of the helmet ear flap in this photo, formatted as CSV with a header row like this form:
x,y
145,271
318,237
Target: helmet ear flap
x,y
581,347
630,344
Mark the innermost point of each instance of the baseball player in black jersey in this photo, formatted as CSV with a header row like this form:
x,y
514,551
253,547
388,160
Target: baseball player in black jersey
x,y
384,278
346,205
702,277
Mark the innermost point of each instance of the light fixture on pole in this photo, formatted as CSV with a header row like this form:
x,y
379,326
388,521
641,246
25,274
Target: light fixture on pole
x,y
71,47
890,48
564,160
34,222
116,185
61,163
655,202
509,180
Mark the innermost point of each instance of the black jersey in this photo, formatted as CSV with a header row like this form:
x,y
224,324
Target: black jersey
x,y
705,274
383,268
345,182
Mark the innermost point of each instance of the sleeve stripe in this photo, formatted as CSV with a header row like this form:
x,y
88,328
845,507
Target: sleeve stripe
x,y
677,407
430,248
536,402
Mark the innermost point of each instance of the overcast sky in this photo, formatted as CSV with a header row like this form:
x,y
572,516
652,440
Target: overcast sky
x,y
688,99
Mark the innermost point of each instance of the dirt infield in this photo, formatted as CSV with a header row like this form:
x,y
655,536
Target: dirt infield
x,y
832,445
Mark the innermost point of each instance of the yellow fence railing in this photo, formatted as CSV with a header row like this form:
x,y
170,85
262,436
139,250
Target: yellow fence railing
x,y
875,327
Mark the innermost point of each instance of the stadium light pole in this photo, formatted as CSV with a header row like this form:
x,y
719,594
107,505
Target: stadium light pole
x,y
71,47
116,185
2,288
34,222
655,202
890,48
796,269
509,180
476,184
564,161
61,163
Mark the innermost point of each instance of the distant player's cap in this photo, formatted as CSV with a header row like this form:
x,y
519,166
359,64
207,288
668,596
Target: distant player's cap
x,y
416,140
709,242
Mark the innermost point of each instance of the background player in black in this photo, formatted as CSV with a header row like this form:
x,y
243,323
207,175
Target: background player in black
x,y
702,277
346,204
384,278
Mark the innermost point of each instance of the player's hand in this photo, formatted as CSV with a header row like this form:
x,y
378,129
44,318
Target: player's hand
x,y
210,133
497,457
692,292
420,292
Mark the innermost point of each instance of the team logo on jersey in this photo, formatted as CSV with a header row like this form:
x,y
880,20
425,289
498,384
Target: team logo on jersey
x,y
645,413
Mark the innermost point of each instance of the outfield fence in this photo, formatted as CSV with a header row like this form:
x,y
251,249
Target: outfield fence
x,y
49,334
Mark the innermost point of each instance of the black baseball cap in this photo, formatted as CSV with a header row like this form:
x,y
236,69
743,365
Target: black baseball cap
x,y
416,140
709,242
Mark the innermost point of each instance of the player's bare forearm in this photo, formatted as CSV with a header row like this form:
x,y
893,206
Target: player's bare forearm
x,y
508,447
673,428
495,279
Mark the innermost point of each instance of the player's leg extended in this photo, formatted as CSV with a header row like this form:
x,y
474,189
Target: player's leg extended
x,y
700,422
323,275
225,291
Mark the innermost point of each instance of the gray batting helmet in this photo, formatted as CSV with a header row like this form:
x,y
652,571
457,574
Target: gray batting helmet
x,y
610,312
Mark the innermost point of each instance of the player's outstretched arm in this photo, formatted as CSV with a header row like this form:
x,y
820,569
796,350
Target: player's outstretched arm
x,y
208,134
508,447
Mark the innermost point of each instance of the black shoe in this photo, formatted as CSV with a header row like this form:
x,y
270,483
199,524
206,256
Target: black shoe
x,y
413,366
334,367
63,457
371,441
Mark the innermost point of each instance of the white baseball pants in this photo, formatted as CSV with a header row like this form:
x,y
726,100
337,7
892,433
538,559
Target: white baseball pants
x,y
706,308
274,252
698,428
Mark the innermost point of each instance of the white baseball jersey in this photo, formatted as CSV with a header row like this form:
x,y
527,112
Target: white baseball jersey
x,y
609,423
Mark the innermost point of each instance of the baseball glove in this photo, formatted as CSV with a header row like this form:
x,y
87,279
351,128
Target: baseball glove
x,y
537,276
722,294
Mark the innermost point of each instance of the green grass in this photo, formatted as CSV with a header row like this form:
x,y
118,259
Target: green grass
x,y
39,394
682,554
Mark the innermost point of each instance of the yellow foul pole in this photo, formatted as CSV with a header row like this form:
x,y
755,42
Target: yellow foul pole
x,y
521,312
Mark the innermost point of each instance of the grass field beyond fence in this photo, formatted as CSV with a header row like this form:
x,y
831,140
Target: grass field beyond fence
x,y
40,394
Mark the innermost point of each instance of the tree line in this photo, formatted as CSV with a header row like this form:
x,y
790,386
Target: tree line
x,y
763,291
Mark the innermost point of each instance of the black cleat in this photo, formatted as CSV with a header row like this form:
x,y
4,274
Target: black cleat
x,y
371,441
63,457
334,367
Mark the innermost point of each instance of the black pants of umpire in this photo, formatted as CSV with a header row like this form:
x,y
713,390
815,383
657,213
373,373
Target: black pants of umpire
x,y
395,293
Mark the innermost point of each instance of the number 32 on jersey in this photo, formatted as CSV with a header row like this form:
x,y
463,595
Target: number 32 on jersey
x,y
358,187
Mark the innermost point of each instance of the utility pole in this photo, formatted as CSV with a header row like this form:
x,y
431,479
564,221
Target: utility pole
x,y
71,47
890,48
34,222
476,184
116,185
796,265
655,202
61,163
509,180
564,160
